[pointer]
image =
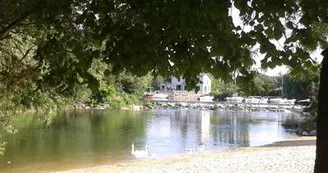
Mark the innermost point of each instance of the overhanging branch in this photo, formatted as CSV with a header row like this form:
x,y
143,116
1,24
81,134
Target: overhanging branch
x,y
19,19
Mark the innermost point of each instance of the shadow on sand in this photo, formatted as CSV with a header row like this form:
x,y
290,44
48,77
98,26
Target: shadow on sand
x,y
292,143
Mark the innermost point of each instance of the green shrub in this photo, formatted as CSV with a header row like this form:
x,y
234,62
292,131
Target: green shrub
x,y
309,123
123,99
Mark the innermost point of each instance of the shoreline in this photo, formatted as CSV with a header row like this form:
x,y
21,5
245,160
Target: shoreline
x,y
293,155
221,105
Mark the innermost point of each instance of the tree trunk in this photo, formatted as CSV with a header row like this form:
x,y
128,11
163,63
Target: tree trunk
x,y
321,161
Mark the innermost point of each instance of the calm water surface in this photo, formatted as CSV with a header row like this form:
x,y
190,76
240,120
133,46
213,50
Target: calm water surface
x,y
88,138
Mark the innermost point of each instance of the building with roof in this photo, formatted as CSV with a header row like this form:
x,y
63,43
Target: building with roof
x,y
179,84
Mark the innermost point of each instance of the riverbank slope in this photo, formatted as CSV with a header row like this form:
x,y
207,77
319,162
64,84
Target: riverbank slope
x,y
292,156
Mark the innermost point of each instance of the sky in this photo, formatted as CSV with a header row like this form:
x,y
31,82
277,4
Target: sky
x,y
316,55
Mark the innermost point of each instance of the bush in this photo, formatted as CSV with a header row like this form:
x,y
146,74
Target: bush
x,y
221,97
123,100
309,123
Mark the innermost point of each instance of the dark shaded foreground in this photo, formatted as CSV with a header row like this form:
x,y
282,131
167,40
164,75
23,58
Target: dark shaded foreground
x,y
294,143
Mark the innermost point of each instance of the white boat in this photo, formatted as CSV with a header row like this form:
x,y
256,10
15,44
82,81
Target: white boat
x,y
263,101
152,95
290,101
304,102
206,98
160,95
254,100
277,101
235,100
282,101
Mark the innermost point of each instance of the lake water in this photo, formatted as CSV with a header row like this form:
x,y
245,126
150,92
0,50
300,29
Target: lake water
x,y
87,138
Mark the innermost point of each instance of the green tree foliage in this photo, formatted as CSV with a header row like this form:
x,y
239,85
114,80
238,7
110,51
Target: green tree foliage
x,y
264,85
117,91
221,89
132,84
71,33
157,81
162,36
165,37
305,87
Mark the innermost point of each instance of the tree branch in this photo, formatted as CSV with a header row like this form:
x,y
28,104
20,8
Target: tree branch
x,y
19,19
19,61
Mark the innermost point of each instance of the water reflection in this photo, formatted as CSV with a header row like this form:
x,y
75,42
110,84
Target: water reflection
x,y
175,132
232,128
72,139
205,127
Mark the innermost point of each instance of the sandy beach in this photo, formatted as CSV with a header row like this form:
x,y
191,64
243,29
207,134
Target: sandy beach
x,y
292,156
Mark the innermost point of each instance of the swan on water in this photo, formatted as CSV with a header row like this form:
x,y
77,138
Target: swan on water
x,y
139,153
197,149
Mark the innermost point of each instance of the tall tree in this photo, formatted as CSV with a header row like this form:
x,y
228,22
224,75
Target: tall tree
x,y
322,125
168,37
301,87
264,85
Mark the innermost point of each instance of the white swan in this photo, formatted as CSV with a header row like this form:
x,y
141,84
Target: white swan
x,y
197,149
140,153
